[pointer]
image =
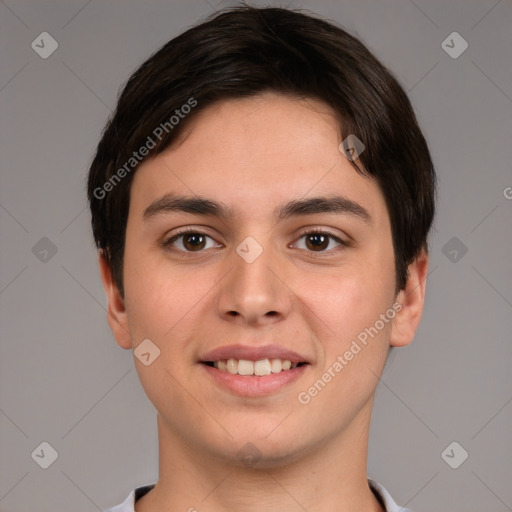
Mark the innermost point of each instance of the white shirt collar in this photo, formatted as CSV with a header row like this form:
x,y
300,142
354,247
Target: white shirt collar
x,y
128,504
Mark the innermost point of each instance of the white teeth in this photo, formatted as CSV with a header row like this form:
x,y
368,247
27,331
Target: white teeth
x,y
245,367
276,365
260,368
232,365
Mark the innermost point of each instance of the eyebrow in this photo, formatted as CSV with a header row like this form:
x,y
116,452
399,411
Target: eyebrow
x,y
297,207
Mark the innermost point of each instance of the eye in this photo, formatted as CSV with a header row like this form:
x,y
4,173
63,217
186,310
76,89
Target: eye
x,y
190,241
320,241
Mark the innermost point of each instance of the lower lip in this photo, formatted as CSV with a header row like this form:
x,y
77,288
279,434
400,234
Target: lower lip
x,y
253,385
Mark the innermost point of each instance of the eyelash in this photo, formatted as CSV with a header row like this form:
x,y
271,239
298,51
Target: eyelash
x,y
167,244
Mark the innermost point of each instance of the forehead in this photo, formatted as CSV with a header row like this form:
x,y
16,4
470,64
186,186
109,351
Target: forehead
x,y
256,153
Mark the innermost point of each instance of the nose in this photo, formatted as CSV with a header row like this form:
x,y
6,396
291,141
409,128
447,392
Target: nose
x,y
254,292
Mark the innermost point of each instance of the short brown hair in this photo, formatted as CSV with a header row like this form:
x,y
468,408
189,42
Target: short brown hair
x,y
244,51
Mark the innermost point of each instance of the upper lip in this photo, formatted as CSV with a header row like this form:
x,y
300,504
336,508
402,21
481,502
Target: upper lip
x,y
253,353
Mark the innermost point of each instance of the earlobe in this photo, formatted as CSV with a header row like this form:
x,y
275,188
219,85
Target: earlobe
x,y
411,299
116,311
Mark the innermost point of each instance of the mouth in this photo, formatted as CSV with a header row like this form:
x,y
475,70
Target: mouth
x,y
252,371
260,368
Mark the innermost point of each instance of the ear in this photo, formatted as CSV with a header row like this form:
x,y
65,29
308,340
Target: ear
x,y
116,312
411,298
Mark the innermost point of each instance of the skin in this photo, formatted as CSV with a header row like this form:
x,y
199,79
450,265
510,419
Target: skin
x,y
254,155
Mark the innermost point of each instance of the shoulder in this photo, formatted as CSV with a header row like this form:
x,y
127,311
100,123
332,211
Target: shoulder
x,y
128,504
387,501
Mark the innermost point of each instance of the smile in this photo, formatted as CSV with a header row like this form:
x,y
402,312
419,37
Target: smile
x,y
253,370
258,368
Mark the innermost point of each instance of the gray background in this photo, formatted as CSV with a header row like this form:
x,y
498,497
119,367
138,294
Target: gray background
x,y
63,378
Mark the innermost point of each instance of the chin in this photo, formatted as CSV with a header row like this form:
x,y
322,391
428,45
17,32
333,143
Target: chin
x,y
251,451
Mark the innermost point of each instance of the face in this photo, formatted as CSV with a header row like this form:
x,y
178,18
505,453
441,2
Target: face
x,y
291,259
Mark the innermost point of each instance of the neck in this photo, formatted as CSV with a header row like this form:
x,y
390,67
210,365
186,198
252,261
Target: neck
x,y
329,477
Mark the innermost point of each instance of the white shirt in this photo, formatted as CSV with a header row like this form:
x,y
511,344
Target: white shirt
x,y
128,504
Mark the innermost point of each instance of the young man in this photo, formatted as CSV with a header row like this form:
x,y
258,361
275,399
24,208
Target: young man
x,y
261,202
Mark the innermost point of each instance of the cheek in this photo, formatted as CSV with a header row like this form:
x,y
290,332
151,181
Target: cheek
x,y
354,342
164,304
351,301
160,295
353,338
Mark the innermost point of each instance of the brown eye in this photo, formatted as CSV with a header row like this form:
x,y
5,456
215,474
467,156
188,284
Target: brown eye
x,y
194,241
317,241
190,241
